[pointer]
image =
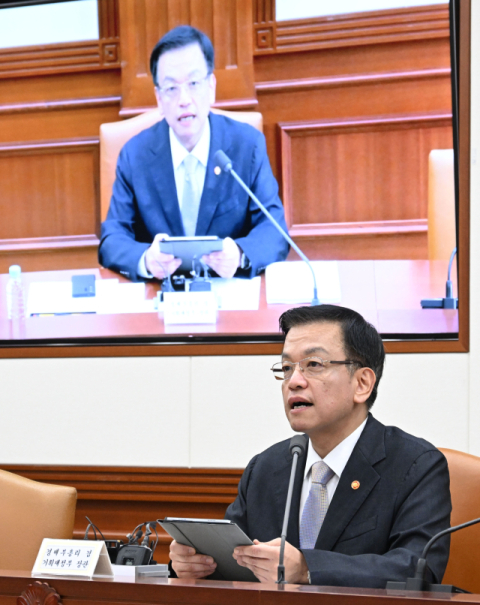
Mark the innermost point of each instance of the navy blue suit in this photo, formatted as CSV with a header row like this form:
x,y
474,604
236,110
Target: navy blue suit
x,y
370,535
144,200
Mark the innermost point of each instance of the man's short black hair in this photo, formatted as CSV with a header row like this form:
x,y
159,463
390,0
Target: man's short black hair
x,y
361,341
183,35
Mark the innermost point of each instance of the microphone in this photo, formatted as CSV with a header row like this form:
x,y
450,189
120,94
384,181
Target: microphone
x,y
225,164
298,445
449,302
418,582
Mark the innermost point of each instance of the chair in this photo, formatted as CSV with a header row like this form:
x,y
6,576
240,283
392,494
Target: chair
x,y
114,135
463,567
29,512
441,204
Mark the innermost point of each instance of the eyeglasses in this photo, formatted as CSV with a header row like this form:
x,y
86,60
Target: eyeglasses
x,y
193,88
310,366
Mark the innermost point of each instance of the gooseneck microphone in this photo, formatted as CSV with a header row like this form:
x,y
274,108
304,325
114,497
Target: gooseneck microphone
x,y
418,582
225,163
449,302
298,445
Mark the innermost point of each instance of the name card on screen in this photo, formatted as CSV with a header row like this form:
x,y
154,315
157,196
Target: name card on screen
x,y
189,308
83,558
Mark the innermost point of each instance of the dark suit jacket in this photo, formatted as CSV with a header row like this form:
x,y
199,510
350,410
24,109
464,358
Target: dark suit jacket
x,y
370,535
144,200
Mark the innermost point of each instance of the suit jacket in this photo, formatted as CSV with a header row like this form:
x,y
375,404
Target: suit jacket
x,y
144,200
370,535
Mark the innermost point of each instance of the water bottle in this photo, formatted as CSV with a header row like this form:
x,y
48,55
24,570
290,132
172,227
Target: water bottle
x,y
15,295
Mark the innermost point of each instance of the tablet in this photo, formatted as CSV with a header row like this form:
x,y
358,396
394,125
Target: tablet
x,y
213,537
190,248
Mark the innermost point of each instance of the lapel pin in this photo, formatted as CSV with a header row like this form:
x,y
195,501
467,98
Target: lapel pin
x,y
355,484
217,170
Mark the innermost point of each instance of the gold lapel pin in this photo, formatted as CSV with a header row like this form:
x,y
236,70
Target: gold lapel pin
x,y
355,484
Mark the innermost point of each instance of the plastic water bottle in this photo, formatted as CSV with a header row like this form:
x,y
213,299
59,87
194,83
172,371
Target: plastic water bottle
x,y
15,295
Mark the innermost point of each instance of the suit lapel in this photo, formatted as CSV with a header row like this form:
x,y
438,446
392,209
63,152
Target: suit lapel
x,y
346,501
281,478
214,185
164,180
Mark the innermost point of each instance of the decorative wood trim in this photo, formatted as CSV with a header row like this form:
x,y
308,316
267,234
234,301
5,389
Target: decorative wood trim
x,y
425,120
60,105
108,19
39,593
350,80
65,145
49,243
202,485
67,350
359,228
60,58
354,29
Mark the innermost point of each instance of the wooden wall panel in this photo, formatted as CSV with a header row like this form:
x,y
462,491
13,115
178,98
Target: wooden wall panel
x,y
354,29
49,189
228,23
360,177
119,498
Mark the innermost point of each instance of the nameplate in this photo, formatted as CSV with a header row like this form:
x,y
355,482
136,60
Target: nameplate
x,y
189,308
83,558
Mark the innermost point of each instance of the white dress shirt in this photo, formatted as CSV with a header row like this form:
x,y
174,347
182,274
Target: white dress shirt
x,y
179,153
337,460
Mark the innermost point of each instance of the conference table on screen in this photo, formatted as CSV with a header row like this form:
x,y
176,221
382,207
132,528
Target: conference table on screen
x,y
160,590
386,292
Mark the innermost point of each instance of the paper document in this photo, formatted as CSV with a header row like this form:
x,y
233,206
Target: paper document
x,y
55,298
236,294
292,282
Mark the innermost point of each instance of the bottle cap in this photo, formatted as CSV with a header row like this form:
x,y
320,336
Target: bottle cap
x,y
15,271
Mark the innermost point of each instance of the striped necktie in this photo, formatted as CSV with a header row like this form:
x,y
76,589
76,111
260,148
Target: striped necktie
x,y
190,198
316,505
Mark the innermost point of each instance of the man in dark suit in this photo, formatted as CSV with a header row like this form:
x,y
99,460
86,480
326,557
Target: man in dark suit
x,y
367,498
166,182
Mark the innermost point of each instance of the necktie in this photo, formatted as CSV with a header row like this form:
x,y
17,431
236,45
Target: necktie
x,y
316,505
190,199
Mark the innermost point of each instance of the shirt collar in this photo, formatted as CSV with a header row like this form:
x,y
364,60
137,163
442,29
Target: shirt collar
x,y
200,151
337,459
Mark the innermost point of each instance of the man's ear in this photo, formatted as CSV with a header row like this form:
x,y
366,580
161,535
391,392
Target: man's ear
x,y
364,382
212,87
158,97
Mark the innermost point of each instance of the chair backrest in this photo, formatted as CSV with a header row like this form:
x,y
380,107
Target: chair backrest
x,y
114,135
463,567
29,512
441,204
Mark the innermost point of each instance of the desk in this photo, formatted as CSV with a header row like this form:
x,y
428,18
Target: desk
x,y
157,590
387,293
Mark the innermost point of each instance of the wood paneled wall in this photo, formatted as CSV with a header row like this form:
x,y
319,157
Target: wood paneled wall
x,y
53,99
351,104
117,499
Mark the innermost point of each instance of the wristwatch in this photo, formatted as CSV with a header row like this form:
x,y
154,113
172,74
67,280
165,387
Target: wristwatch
x,y
245,262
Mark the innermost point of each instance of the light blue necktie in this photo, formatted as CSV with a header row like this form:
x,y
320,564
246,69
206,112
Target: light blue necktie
x,y
316,505
190,198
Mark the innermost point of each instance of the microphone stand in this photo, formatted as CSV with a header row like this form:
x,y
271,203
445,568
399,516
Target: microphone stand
x,y
449,302
418,582
297,447
225,164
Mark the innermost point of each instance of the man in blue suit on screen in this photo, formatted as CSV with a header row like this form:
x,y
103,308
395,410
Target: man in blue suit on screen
x,y
166,183
366,498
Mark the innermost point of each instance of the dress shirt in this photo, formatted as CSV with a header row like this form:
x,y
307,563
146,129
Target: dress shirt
x,y
179,153
336,460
